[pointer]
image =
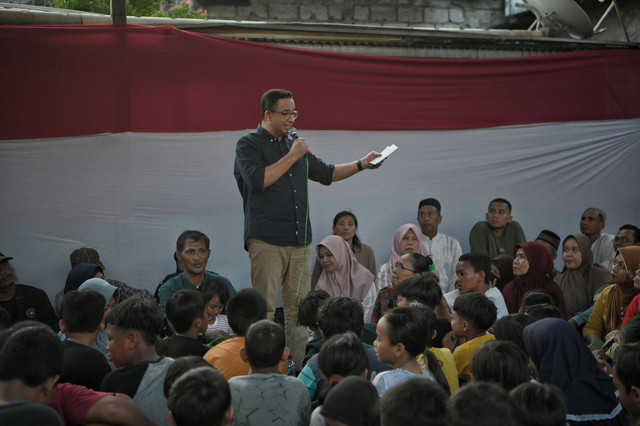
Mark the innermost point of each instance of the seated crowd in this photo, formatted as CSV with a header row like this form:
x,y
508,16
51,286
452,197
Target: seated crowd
x,y
435,336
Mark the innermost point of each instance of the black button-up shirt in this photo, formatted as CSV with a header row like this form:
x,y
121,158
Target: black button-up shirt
x,y
275,215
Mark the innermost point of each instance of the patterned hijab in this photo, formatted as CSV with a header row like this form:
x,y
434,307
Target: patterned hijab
x,y
350,279
579,285
622,294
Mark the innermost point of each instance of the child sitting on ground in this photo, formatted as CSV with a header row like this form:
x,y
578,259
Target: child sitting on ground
x,y
415,401
539,405
341,356
132,327
473,314
308,317
200,397
401,338
424,289
187,316
265,396
217,294
245,308
81,321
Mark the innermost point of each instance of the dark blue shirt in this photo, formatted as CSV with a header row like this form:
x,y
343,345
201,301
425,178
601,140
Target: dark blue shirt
x,y
275,215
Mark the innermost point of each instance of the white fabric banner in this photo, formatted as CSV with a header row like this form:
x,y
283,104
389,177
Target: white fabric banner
x,y
130,195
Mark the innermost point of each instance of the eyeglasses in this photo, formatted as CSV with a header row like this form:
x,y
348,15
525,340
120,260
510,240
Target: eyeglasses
x,y
623,240
287,114
399,266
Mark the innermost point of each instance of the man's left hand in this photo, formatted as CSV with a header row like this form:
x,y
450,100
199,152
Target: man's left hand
x,y
366,161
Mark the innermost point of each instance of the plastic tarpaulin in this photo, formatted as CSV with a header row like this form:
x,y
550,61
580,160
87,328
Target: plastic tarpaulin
x,y
120,140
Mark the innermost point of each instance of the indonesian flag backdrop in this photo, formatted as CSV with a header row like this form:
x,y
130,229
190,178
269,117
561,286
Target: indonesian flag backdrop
x,y
120,139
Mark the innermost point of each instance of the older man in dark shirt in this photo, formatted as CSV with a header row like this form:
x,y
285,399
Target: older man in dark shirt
x,y
271,169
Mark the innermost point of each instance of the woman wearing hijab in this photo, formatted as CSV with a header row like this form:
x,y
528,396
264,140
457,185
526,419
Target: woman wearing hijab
x,y
79,274
580,278
406,240
531,266
345,225
611,306
502,270
562,359
342,275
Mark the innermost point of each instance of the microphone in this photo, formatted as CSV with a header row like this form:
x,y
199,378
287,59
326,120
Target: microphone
x,y
293,133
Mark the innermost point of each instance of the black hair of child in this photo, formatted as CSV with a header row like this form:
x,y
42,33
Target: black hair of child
x,y
501,362
539,405
480,404
141,315
414,402
423,289
184,307
477,310
308,308
340,314
200,396
245,308
82,311
264,343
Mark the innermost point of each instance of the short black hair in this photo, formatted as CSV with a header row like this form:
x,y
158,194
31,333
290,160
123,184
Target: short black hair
x,y
539,404
423,289
200,396
264,342
308,308
421,263
215,286
430,202
82,311
501,362
511,328
542,311
356,241
477,309
414,401
343,355
626,362
481,403
271,98
631,330
501,200
480,263
191,235
184,307
340,314
407,326
635,229
32,355
141,315
245,308
539,296
180,366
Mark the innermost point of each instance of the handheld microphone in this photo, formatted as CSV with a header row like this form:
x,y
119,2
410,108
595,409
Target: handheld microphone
x,y
293,132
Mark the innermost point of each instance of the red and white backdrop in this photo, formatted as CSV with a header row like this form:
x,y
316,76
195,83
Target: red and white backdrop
x,y
120,139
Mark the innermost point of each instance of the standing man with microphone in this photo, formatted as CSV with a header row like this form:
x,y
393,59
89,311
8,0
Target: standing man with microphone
x,y
272,166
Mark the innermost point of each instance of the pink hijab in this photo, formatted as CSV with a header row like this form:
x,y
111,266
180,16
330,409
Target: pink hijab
x,y
397,239
350,279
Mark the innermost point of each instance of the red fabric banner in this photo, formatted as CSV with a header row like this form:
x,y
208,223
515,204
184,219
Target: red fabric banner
x,y
81,80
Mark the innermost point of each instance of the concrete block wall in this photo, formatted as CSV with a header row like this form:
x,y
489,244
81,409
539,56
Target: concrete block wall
x,y
428,13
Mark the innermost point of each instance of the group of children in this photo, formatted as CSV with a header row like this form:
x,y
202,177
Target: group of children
x,y
416,365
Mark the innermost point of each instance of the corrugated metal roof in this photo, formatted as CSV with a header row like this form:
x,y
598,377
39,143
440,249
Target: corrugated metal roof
x,y
417,41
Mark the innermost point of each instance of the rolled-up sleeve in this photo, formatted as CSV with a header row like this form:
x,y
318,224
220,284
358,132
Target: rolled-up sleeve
x,y
249,165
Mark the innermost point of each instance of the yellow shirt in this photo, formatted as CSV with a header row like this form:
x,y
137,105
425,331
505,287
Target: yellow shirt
x,y
448,366
463,354
595,325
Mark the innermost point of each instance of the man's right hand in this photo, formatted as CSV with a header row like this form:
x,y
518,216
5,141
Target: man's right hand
x,y
299,148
